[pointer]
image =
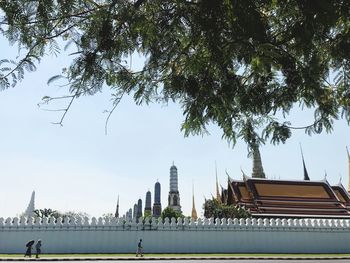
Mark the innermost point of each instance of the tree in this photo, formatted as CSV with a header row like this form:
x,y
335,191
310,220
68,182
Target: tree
x,y
171,213
242,65
215,209
46,212
147,214
73,214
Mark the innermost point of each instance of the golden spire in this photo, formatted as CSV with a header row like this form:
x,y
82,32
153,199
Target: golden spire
x,y
258,170
194,212
347,150
218,196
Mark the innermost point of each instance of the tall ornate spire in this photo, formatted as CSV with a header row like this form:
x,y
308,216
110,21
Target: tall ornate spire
x,y
347,151
117,209
157,206
218,196
194,211
258,171
129,215
306,175
173,179
134,212
148,204
31,206
139,209
174,196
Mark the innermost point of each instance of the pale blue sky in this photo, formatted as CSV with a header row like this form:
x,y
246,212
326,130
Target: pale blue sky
x,y
77,167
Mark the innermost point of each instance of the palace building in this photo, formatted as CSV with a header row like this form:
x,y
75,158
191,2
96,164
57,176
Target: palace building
x,y
286,198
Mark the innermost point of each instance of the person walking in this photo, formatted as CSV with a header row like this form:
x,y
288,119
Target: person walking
x,y
139,249
29,248
38,248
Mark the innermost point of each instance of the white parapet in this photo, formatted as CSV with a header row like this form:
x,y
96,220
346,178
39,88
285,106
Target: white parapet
x,y
256,235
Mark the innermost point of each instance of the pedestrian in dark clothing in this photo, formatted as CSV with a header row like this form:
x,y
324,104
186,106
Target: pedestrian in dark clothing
x,y
29,246
139,249
38,248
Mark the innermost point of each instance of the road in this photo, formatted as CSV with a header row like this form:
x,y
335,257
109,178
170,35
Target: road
x,y
210,261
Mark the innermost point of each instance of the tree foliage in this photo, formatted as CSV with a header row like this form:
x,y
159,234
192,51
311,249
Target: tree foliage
x,y
147,214
48,212
108,216
215,209
242,65
171,213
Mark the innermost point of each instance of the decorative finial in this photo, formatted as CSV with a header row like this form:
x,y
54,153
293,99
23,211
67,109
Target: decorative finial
x,y
306,175
218,196
244,176
228,176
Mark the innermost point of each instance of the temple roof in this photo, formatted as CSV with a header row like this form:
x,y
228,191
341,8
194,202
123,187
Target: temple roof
x,y
290,197
341,193
291,190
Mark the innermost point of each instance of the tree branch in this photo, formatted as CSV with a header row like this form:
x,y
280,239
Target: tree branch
x,y
66,110
56,18
116,103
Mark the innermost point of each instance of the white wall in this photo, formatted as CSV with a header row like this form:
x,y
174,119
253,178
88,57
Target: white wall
x,y
226,236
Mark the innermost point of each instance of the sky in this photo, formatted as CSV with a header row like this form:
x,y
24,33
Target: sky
x,y
79,168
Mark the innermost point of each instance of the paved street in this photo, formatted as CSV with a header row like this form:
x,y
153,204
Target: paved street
x,y
213,261
245,261
242,261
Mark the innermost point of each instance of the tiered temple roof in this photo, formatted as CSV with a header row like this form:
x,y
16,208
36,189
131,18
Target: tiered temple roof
x,y
342,194
287,198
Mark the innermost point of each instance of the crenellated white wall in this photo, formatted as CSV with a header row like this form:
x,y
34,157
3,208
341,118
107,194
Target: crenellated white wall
x,y
79,235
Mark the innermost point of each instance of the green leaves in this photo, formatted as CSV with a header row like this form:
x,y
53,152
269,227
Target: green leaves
x,y
242,65
171,213
214,209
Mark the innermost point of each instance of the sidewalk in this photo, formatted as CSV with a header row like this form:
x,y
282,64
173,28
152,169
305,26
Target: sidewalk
x,y
116,258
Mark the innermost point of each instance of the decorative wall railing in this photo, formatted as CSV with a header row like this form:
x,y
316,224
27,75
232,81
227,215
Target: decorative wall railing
x,y
181,224
253,235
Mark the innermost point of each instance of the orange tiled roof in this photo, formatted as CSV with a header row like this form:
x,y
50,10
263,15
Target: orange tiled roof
x,y
264,196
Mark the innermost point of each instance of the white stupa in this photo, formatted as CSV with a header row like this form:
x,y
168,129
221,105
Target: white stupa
x,y
31,206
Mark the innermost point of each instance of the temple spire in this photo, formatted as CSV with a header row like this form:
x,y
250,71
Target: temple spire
x,y
194,211
174,195
31,206
230,193
117,209
347,151
258,171
306,175
218,196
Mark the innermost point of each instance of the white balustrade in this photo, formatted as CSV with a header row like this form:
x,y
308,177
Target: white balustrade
x,y
178,235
